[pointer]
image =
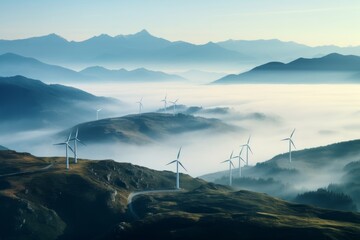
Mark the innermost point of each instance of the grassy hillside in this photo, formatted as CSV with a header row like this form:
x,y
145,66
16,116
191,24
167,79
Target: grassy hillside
x,y
311,169
214,212
89,201
146,127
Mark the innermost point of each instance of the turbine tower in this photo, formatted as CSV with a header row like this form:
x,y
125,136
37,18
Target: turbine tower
x,y
247,150
97,113
165,103
290,143
66,143
230,167
174,105
177,168
240,159
140,105
76,140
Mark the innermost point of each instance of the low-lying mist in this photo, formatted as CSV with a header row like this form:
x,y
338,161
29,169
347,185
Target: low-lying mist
x,y
321,115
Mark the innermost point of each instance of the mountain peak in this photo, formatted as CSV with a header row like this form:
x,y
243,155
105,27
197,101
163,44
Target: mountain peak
x,y
143,32
53,36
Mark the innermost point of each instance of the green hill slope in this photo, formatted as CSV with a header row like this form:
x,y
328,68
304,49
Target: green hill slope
x,y
89,201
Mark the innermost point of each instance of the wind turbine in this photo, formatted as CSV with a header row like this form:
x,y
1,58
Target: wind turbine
x,y
290,143
76,140
240,159
230,167
140,105
165,103
177,168
66,143
174,105
247,150
97,113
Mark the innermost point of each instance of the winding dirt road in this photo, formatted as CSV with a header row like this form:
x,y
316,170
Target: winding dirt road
x,y
28,172
149,192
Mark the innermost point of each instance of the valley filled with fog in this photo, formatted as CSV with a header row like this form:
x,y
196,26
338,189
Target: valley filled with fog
x,y
322,114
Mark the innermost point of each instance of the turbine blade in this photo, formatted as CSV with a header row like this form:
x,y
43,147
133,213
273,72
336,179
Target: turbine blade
x,y
292,143
231,154
225,161
292,133
232,164
242,159
249,139
77,133
81,142
70,148
69,137
59,143
178,155
182,166
242,147
171,162
285,139
250,149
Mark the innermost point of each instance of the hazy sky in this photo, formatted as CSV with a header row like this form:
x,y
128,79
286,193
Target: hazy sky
x,y
312,22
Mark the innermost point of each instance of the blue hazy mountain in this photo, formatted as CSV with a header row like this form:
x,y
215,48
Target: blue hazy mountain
x,y
332,68
140,47
13,64
140,74
276,50
27,103
269,50
2,148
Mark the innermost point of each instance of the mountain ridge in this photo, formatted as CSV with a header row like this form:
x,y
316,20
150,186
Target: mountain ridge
x,y
332,68
13,64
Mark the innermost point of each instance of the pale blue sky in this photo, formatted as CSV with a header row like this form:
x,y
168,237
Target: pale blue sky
x,y
312,22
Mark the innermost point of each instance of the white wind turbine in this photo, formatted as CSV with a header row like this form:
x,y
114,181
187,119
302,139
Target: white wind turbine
x,y
177,168
76,140
165,103
230,167
290,143
140,105
240,159
247,150
66,143
174,105
97,113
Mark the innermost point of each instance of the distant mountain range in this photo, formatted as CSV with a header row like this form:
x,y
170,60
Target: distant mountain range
x,y
146,127
13,64
142,47
276,50
29,104
332,68
123,75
